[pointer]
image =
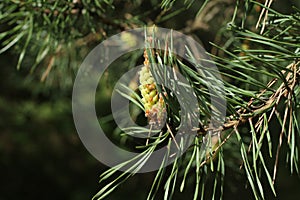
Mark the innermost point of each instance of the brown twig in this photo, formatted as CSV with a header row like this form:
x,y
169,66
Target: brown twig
x,y
272,102
50,64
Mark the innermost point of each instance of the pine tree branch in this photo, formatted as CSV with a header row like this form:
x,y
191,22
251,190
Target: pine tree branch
x,y
293,78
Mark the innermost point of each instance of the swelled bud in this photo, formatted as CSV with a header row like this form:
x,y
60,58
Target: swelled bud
x,y
153,101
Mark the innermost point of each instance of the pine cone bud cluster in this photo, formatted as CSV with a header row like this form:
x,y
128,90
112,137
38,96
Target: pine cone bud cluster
x,y
153,101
